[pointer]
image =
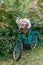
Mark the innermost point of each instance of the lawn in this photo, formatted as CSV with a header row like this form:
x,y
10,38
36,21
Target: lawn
x,y
29,57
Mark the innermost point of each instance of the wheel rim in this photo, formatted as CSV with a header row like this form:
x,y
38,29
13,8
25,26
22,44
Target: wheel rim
x,y
16,51
34,42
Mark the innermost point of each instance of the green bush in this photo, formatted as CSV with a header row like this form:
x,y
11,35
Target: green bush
x,y
8,24
7,39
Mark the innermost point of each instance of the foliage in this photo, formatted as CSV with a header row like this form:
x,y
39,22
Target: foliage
x,y
8,24
40,6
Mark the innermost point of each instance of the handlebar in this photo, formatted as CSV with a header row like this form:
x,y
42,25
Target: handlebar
x,y
32,23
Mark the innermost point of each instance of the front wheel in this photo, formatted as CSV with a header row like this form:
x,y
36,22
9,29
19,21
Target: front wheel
x,y
17,52
34,41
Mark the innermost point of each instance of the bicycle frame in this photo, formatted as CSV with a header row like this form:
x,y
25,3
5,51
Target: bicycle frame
x,y
27,39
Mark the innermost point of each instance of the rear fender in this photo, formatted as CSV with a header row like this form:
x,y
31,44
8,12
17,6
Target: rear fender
x,y
31,35
36,33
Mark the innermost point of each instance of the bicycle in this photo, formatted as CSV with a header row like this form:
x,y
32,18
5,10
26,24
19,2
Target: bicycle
x,y
31,39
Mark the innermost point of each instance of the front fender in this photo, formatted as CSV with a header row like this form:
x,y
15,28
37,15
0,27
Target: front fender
x,y
19,38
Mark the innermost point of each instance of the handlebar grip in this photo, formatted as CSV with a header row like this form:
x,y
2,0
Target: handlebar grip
x,y
16,15
32,23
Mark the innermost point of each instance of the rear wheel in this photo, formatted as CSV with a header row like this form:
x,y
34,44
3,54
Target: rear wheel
x,y
34,41
17,52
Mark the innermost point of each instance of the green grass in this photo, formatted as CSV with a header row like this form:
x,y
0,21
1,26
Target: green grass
x,y
29,57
